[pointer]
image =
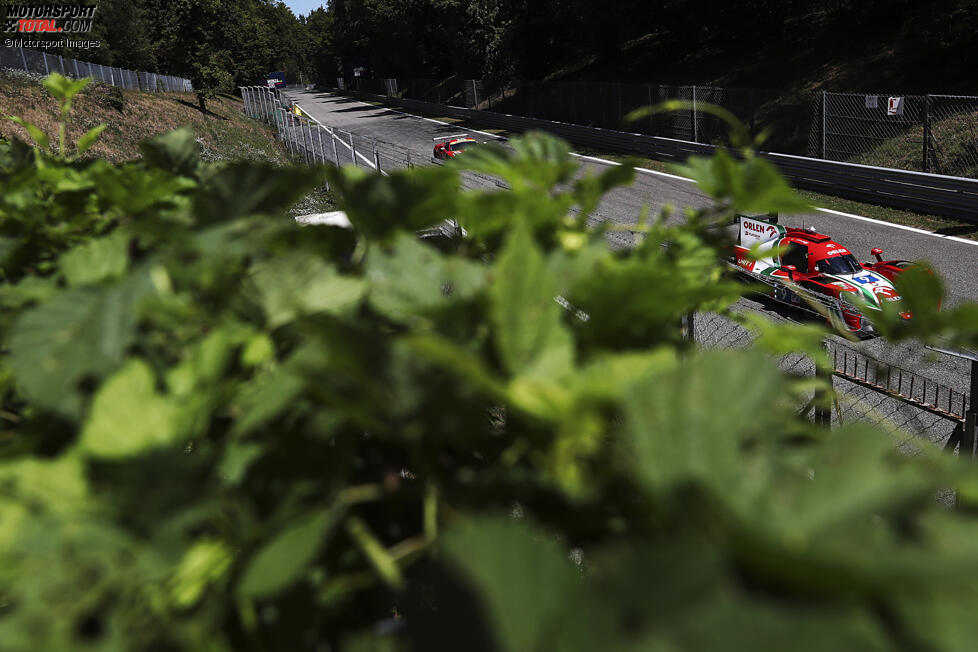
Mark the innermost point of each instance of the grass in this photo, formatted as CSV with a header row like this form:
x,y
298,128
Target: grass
x,y
224,133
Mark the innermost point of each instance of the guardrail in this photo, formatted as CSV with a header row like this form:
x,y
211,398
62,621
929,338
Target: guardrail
x,y
916,191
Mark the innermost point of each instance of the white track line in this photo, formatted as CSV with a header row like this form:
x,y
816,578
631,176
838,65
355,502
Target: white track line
x,y
657,173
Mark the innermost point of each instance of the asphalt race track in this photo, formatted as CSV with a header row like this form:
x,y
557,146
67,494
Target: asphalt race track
x,y
956,260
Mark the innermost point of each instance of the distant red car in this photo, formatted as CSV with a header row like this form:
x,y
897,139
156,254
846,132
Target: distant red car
x,y
450,146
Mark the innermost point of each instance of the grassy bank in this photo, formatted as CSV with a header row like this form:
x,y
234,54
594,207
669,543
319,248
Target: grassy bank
x,y
223,133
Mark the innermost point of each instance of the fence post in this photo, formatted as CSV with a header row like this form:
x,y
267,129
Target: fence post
x,y
353,150
824,115
926,131
409,163
286,135
971,416
823,400
77,74
23,58
687,325
322,149
45,57
696,135
336,154
307,129
377,160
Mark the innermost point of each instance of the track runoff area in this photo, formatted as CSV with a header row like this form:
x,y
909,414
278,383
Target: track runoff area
x,y
956,259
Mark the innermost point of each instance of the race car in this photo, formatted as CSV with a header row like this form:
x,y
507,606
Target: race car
x,y
817,266
452,145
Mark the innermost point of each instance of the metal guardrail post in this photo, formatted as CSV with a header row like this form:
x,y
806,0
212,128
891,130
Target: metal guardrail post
x,y
353,150
377,160
696,138
336,155
44,56
23,58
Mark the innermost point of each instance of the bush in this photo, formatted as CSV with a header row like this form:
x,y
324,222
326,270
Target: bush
x,y
225,431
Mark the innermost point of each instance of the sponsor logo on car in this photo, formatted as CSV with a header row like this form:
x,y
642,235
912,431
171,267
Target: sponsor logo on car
x,y
760,229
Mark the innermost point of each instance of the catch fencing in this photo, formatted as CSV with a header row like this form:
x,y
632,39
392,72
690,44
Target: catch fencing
x,y
927,133
595,104
42,63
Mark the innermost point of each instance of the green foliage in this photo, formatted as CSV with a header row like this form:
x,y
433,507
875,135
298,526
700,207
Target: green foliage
x,y
225,431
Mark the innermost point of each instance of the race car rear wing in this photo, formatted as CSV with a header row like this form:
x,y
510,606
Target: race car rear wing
x,y
450,137
754,231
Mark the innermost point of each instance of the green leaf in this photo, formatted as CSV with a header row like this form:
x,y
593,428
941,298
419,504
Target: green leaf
x,y
129,416
690,424
64,88
174,151
409,199
80,332
205,563
96,260
413,278
521,577
89,138
526,317
237,459
265,398
245,188
281,561
35,132
303,285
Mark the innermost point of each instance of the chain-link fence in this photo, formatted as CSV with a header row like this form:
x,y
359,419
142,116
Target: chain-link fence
x,y
925,133
920,410
951,135
42,63
593,104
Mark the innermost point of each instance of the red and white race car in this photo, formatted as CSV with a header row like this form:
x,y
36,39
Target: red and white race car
x,y
452,145
816,265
